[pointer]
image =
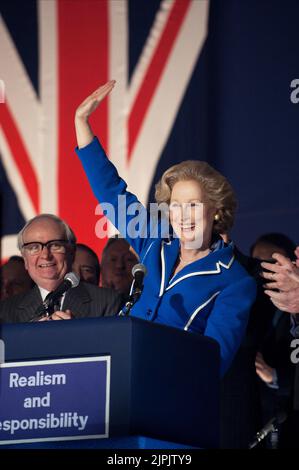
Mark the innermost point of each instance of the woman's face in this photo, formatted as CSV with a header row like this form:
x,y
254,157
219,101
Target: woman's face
x,y
191,216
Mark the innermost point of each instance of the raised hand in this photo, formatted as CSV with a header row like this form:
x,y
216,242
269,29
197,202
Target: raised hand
x,y
83,130
91,103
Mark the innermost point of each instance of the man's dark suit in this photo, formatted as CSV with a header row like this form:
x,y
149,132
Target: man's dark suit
x,y
86,300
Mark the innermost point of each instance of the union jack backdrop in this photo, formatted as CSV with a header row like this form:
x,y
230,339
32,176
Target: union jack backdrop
x,y
195,79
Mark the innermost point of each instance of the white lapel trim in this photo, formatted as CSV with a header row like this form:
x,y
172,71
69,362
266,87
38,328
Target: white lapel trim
x,y
163,271
162,285
199,309
199,273
147,251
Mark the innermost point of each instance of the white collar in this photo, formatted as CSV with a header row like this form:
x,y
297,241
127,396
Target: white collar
x,y
45,292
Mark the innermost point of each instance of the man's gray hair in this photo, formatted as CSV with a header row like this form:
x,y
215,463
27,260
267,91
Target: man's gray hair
x,y
70,236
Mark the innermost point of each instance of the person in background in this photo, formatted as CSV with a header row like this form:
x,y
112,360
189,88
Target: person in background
x,y
118,259
278,336
263,249
14,278
282,287
273,365
86,264
269,243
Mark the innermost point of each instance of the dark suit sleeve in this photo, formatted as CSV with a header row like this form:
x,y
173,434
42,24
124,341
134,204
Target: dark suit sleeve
x,y
9,309
4,312
88,300
114,302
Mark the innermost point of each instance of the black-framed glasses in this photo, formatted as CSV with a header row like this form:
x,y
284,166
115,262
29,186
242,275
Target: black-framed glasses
x,y
54,246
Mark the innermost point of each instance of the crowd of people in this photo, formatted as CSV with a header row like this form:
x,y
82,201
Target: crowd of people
x,y
198,282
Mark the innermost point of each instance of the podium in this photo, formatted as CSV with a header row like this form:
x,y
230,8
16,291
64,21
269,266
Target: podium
x,y
164,382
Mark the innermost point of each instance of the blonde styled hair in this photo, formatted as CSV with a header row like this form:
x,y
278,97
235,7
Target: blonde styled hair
x,y
217,190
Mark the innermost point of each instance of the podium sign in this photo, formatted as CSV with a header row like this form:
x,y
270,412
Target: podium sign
x,y
49,400
164,382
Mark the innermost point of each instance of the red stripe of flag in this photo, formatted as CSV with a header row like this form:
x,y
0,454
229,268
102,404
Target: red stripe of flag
x,y
83,66
155,70
20,154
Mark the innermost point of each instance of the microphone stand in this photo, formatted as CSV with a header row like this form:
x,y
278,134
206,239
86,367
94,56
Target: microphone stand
x,y
262,434
49,304
126,310
271,426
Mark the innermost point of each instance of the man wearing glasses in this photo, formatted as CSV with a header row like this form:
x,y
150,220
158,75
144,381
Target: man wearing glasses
x,y
48,246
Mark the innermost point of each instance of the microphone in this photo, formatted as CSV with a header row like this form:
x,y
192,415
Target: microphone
x,y
47,307
70,280
138,272
279,418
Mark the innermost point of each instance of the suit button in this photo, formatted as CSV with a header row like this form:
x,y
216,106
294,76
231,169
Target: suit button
x,y
149,312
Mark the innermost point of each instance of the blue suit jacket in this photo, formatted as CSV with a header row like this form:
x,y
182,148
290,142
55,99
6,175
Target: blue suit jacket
x,y
211,296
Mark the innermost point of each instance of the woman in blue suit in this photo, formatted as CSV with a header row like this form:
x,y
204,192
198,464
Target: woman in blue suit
x,y
194,282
